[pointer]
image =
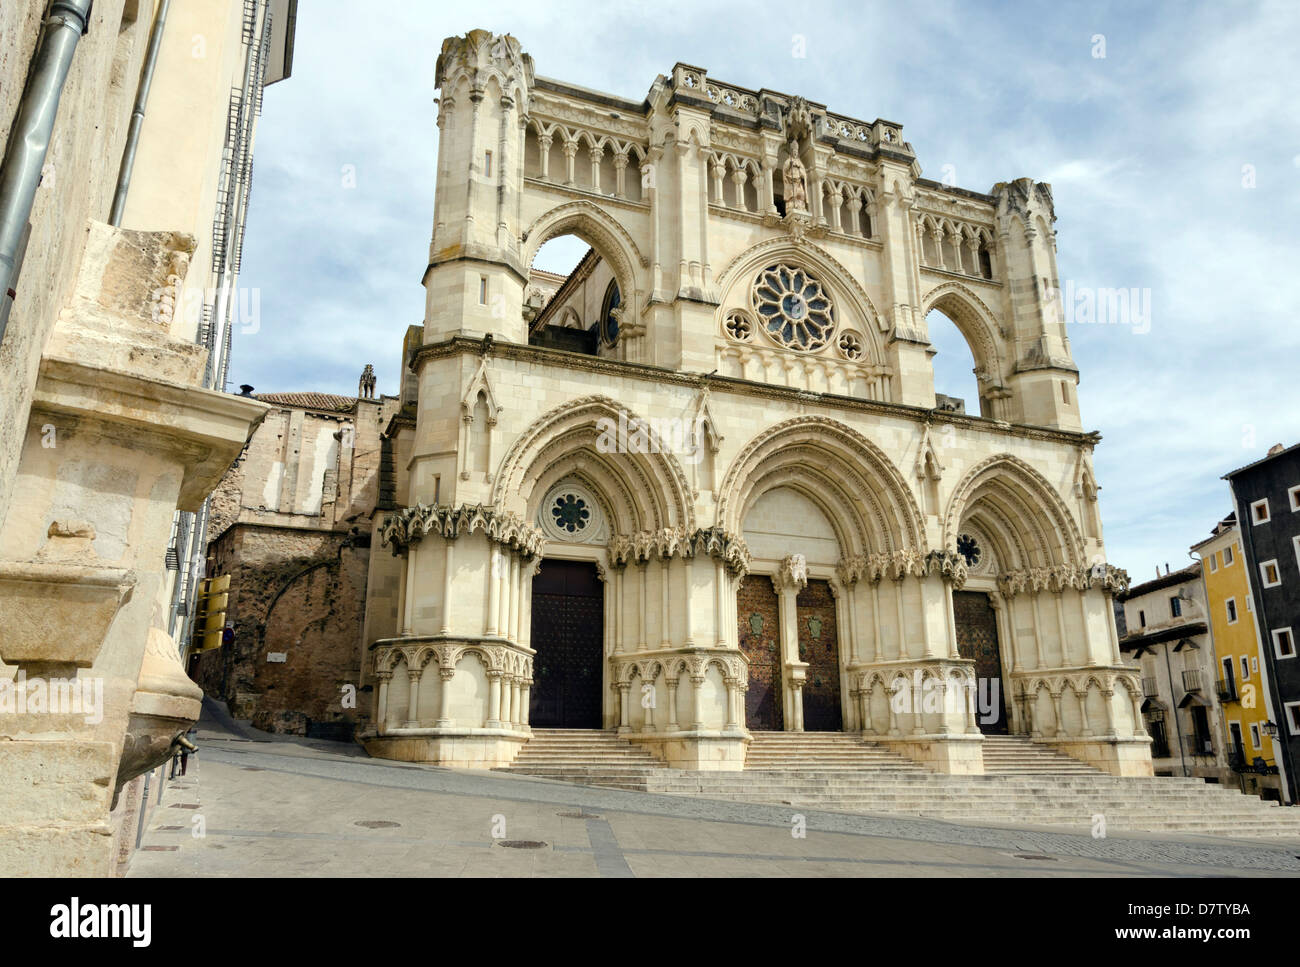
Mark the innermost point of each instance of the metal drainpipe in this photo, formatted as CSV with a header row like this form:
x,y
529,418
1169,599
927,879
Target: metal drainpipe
x,y
29,141
137,114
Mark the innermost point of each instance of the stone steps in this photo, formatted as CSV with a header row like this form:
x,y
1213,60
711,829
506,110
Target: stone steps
x,y
590,757
1016,755
1025,784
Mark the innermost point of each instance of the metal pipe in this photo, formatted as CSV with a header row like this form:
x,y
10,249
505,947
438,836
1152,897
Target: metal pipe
x,y
137,114
29,141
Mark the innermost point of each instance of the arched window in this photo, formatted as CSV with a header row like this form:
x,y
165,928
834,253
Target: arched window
x,y
608,319
954,366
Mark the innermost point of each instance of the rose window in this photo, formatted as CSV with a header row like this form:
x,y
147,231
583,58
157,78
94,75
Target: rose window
x,y
794,308
969,548
570,513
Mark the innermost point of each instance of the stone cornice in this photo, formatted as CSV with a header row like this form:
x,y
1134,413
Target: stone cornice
x,y
466,345
204,428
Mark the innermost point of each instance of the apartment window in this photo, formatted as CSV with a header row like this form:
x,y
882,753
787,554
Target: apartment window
x,y
1294,496
1142,618
1259,511
1176,607
1231,605
1293,716
1254,663
1234,730
1283,643
1254,736
1269,573
487,164
1227,556
482,290
1214,563
1245,669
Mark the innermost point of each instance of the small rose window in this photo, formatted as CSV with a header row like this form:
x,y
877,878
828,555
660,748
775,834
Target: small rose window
x,y
570,513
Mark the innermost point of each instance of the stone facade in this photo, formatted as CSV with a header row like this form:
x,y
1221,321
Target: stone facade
x,y
757,405
109,429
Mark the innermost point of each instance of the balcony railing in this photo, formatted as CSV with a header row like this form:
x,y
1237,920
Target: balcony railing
x,y
1227,690
1192,679
1150,688
1199,745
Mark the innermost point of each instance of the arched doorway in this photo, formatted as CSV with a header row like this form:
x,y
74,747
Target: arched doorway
x,y
567,624
819,647
977,640
760,641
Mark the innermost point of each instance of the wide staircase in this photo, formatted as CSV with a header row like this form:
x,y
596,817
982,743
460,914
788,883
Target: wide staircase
x,y
1025,785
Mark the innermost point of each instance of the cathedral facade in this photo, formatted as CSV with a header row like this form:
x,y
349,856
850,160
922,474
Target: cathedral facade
x,y
703,486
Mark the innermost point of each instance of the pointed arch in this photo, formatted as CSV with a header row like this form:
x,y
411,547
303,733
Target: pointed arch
x,y
1020,511
855,309
646,491
863,494
595,226
978,326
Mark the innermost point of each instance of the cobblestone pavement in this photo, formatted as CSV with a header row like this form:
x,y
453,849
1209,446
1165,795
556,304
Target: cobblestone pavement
x,y
270,806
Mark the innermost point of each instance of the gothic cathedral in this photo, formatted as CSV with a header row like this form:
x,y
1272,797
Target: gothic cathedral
x,y
703,486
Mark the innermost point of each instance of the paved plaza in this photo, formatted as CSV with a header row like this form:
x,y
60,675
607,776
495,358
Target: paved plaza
x,y
270,806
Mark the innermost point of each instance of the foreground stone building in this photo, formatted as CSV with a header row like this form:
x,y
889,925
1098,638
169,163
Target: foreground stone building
x,y
122,196
705,486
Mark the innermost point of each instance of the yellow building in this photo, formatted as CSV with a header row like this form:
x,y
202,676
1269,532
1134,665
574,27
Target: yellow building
x,y
1242,692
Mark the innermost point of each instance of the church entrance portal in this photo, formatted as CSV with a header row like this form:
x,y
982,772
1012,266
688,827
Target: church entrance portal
x,y
819,647
760,640
977,638
568,620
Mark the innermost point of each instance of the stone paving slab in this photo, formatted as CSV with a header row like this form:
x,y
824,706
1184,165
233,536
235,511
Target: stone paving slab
x,y
293,808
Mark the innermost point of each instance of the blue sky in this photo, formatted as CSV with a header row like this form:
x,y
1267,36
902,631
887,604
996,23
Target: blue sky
x,y
1174,162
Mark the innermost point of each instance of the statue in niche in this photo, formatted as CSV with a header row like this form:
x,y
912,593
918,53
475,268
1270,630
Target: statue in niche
x,y
795,179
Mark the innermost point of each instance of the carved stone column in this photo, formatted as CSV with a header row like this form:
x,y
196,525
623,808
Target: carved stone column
x,y
412,707
445,676
623,720
494,699
697,701
381,701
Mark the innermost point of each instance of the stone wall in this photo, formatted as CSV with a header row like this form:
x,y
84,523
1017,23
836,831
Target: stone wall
x,y
295,593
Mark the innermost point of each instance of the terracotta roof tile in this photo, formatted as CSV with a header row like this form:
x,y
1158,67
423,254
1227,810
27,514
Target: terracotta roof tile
x,y
310,401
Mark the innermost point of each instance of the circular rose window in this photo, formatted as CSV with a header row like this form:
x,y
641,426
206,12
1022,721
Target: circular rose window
x,y
969,548
795,310
570,513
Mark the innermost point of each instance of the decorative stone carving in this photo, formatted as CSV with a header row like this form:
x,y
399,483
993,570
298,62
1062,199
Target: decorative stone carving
x,y
795,181
413,524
